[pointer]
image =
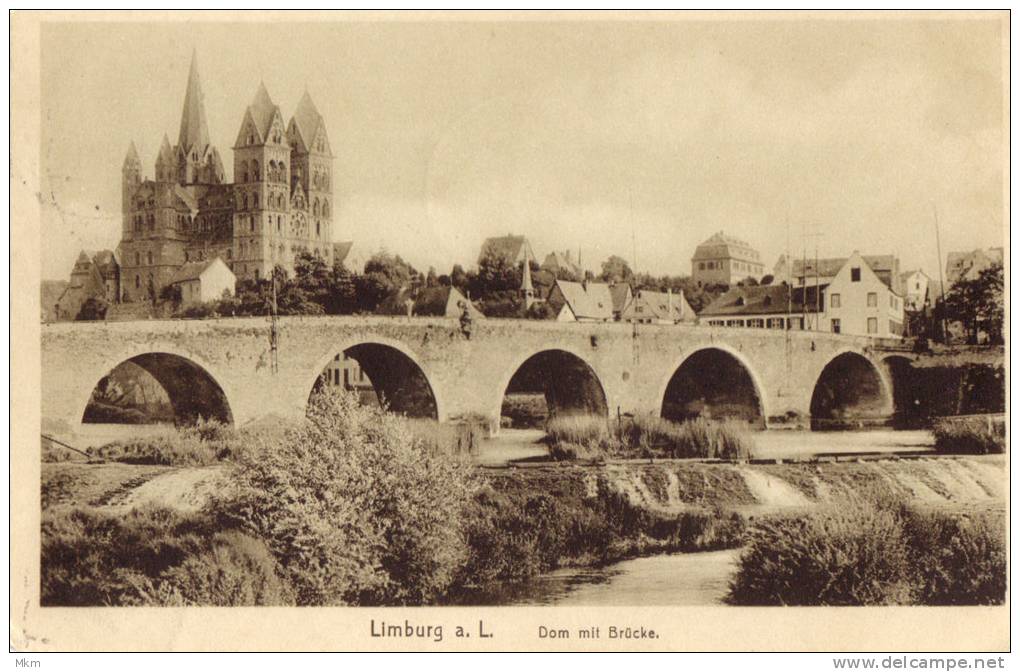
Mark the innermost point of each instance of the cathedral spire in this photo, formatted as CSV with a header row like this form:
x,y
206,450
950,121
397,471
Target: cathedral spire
x,y
194,133
131,160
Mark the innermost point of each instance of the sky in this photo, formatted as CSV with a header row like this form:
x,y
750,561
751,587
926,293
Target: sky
x,y
640,139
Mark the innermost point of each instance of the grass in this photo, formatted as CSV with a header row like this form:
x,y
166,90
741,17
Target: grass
x,y
593,437
977,435
447,438
874,553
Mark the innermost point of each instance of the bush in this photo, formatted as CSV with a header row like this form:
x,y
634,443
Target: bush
x,y
354,509
869,554
205,442
236,570
971,435
574,437
152,556
524,410
958,560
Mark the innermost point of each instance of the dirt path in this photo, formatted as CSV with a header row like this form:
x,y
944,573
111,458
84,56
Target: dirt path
x,y
185,489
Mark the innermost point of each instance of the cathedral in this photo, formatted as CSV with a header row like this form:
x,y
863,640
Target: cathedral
x,y
279,205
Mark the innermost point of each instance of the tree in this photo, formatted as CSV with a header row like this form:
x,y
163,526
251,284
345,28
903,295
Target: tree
x,y
616,269
384,274
767,280
496,274
458,278
977,303
432,280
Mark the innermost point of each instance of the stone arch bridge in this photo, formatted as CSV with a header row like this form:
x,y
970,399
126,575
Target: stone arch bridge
x,y
222,368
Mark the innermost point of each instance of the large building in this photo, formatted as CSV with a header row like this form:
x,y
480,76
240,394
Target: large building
x,y
279,205
968,265
855,299
724,260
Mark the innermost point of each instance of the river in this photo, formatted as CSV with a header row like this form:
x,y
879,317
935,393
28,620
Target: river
x,y
676,579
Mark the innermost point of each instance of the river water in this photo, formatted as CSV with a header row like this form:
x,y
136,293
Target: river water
x,y
676,579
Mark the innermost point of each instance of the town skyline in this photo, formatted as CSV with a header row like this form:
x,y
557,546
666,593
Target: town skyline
x,y
587,155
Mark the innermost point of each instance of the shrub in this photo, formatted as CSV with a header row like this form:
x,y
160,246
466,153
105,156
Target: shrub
x,y
957,559
91,558
354,509
853,555
203,443
971,435
874,553
574,437
236,570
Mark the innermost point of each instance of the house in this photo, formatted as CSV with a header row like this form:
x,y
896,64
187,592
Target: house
x,y
581,301
94,276
854,300
442,301
916,286
725,260
49,293
202,281
763,307
513,249
352,257
968,265
659,308
821,271
559,263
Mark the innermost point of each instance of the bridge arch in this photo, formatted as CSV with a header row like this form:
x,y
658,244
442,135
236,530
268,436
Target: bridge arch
x,y
194,388
569,383
907,395
851,390
715,381
397,375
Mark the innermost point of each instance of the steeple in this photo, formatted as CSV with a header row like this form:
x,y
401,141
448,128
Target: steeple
x,y
194,133
131,160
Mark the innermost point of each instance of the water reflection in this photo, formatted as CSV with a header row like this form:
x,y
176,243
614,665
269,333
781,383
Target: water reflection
x,y
680,579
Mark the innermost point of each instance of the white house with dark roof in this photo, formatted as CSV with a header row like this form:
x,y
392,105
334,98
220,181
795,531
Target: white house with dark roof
x,y
854,300
659,308
202,281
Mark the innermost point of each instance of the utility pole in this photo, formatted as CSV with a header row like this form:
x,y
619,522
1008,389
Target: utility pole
x,y
942,281
274,336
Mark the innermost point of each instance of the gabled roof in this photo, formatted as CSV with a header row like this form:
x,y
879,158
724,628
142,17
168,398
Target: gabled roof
x,y
765,300
720,245
884,266
263,109
621,295
659,306
193,270
306,121
194,133
593,301
555,261
341,250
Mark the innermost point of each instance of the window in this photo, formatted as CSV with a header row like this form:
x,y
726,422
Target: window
x,y
317,229
278,223
835,326
252,223
701,266
138,259
775,323
872,325
872,300
757,323
149,258
186,256
834,301
138,282
797,323
256,275
855,274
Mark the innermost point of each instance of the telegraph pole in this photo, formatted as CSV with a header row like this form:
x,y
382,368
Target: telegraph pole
x,y
274,336
818,297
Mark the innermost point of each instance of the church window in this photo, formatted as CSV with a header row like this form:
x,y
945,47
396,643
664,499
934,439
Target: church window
x,y
278,224
138,282
252,223
315,208
256,275
254,200
138,259
244,202
325,208
318,231
149,258
254,171
187,257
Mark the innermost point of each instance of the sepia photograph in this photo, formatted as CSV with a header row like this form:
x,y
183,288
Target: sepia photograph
x,y
483,311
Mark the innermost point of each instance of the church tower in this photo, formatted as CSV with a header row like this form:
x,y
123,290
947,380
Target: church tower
x,y
197,161
131,178
312,177
262,227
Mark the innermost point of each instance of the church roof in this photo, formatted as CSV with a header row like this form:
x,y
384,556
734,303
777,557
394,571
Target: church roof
x,y
194,132
165,153
262,109
132,156
307,119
